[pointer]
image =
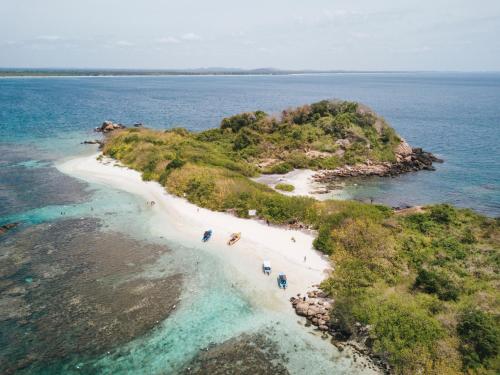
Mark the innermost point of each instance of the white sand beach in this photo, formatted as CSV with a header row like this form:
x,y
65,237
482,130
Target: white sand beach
x,y
181,221
304,184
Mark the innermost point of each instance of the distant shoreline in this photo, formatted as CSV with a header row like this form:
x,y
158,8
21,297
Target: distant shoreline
x,y
32,73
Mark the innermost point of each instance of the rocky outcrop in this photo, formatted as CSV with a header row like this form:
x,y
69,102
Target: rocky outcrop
x,y
407,160
316,307
94,142
6,227
109,126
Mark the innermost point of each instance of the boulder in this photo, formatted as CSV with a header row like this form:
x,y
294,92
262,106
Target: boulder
x,y
312,311
94,142
403,149
108,126
6,227
301,308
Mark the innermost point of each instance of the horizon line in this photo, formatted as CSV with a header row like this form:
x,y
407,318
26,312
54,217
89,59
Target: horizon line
x,y
73,71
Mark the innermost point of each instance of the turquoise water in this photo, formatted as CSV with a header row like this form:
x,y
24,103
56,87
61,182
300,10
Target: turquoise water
x,y
42,121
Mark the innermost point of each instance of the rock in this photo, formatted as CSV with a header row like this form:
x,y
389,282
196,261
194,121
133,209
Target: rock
x,y
301,308
407,160
94,142
403,149
323,328
312,311
6,227
108,126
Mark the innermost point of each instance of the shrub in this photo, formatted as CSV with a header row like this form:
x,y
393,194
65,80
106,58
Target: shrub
x,y
175,163
200,190
131,138
402,330
180,131
237,122
437,282
280,168
442,213
480,337
285,187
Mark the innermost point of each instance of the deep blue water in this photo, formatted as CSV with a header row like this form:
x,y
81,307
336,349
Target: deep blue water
x,y
456,116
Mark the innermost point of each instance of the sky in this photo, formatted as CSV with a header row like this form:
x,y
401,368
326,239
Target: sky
x,y
459,35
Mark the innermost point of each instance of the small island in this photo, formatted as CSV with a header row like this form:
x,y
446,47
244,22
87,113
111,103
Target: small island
x,y
415,289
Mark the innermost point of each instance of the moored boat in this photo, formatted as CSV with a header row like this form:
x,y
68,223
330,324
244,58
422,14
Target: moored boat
x,y
282,281
207,235
235,237
266,267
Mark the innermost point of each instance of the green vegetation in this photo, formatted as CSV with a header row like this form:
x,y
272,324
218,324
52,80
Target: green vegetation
x,y
414,278
285,187
426,282
322,135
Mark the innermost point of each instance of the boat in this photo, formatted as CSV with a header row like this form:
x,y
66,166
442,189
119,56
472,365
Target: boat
x,y
282,281
266,267
235,237
207,235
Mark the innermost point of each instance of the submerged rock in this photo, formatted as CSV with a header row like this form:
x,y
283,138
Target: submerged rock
x,y
67,288
6,227
245,355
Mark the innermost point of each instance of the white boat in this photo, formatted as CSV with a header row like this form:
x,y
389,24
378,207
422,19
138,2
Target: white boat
x,y
266,267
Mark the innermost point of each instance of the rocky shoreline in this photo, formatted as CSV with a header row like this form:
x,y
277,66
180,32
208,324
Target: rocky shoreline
x,y
316,307
408,159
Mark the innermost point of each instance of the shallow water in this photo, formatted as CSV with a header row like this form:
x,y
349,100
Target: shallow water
x,y
44,120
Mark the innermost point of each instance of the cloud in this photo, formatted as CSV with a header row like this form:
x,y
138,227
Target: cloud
x,y
124,43
168,40
49,38
360,35
417,49
191,37
328,17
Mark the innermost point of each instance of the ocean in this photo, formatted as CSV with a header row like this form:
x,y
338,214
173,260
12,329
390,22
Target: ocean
x,y
60,262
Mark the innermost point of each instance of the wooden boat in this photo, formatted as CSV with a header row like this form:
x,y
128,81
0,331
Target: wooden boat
x,y
235,237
